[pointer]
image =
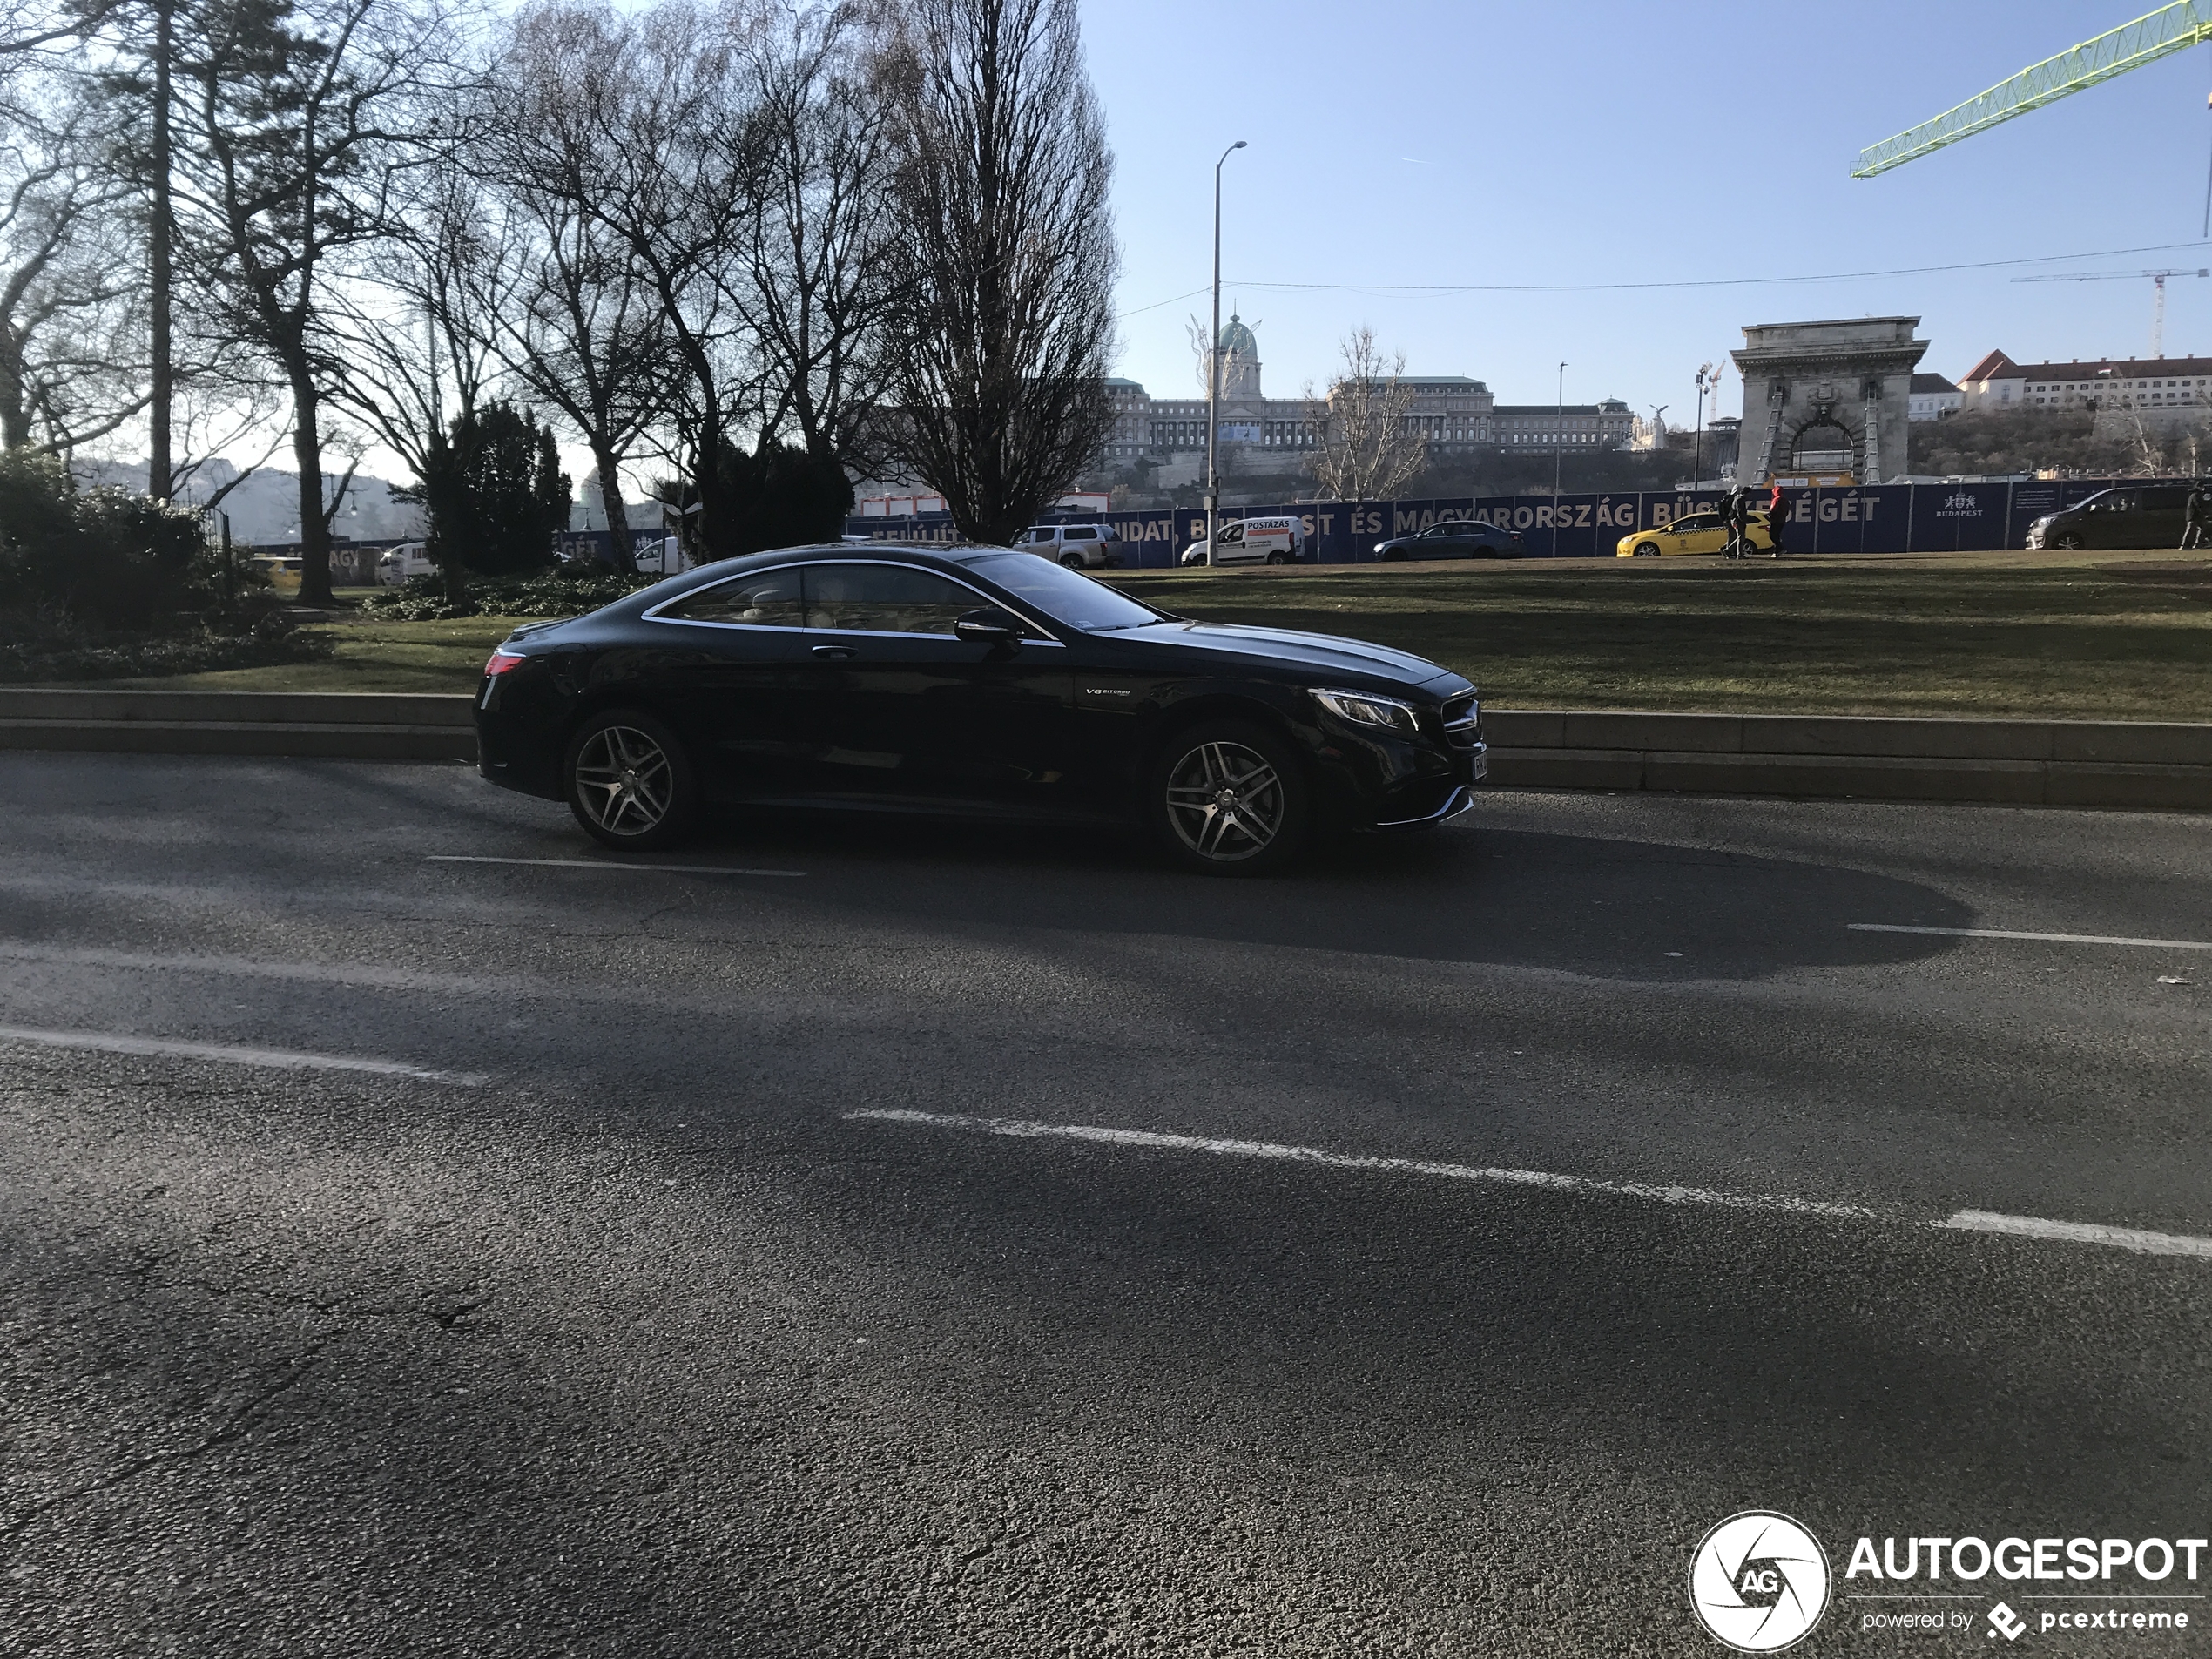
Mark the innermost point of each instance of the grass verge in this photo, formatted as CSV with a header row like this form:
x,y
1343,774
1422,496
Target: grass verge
x,y
2117,636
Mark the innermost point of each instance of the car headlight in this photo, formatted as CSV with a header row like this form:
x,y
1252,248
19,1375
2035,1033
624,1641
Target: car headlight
x,y
1365,708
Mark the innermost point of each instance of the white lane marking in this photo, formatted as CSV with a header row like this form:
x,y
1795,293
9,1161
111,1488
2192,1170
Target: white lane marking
x,y
2081,1232
1024,1129
286,1059
602,864
2008,932
2153,1243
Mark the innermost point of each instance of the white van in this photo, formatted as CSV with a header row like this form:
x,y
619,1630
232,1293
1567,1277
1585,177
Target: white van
x,y
1252,541
406,560
1080,547
663,558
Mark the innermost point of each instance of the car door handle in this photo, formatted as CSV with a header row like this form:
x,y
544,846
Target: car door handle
x,y
836,651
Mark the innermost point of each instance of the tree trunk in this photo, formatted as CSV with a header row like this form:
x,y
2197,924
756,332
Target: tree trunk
x,y
624,550
314,529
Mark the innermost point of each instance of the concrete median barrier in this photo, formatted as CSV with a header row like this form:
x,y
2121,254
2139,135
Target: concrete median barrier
x,y
2027,763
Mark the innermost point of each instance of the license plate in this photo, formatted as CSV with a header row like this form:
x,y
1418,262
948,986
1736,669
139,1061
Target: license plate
x,y
1481,767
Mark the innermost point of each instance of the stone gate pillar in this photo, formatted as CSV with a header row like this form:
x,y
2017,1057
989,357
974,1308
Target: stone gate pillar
x,y
1826,398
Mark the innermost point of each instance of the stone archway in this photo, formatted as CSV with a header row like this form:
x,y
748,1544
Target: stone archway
x,y
1824,444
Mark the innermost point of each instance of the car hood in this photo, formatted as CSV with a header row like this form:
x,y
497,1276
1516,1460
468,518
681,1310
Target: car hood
x,y
1326,652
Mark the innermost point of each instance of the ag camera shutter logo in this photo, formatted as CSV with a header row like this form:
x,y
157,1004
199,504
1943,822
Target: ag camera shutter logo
x,y
1759,1582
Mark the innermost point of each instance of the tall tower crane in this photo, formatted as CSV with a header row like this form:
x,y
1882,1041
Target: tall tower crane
x,y
2158,297
2170,29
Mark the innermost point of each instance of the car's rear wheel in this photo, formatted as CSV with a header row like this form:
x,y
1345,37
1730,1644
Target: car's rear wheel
x,y
1278,558
1228,798
1073,560
630,783
1646,550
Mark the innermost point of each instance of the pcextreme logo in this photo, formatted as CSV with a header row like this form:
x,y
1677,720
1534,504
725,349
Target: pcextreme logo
x,y
1759,1582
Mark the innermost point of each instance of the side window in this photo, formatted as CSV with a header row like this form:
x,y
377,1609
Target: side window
x,y
885,599
1232,534
1079,534
769,600
2121,501
2165,501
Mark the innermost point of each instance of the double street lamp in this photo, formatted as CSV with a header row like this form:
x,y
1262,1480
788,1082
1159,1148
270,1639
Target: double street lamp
x,y
1213,361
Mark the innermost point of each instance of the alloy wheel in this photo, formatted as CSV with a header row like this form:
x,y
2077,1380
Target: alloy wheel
x,y
1225,801
624,781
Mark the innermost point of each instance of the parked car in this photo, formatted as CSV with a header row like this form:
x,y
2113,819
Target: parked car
x,y
977,680
2132,516
1454,538
1080,547
398,564
1692,532
1252,541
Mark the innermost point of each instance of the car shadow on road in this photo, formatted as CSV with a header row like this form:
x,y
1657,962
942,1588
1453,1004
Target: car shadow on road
x,y
1578,903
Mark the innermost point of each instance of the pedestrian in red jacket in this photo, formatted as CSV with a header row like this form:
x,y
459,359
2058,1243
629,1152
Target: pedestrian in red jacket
x,y
1777,510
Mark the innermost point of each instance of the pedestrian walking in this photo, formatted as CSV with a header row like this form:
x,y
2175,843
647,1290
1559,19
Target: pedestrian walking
x,y
1777,511
1739,518
2193,526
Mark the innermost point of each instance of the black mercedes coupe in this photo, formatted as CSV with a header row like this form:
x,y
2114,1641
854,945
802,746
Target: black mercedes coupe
x,y
972,680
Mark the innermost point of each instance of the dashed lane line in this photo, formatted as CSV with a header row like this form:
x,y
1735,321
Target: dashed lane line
x,y
2009,933
2131,1239
605,864
283,1059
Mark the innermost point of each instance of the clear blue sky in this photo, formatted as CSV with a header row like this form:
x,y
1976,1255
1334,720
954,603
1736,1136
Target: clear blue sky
x,y
1432,143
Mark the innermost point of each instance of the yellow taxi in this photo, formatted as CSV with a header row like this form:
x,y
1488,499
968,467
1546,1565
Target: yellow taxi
x,y
1691,533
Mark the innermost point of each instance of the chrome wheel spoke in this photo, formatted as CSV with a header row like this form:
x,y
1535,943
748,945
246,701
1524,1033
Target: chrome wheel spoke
x,y
1224,801
624,780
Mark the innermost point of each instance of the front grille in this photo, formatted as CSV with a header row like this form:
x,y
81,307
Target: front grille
x,y
1463,722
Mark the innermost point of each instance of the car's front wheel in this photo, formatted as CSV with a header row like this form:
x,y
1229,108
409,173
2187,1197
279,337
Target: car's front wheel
x,y
630,783
1228,798
1646,549
2068,543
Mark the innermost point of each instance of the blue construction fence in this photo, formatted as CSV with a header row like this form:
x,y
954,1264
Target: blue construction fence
x,y
1877,518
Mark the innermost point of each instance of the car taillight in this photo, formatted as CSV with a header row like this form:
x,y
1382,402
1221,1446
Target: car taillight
x,y
502,661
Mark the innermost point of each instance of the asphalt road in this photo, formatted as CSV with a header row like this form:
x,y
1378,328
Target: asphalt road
x,y
597,1323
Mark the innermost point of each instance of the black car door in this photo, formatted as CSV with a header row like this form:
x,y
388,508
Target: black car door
x,y
2113,523
723,670
892,708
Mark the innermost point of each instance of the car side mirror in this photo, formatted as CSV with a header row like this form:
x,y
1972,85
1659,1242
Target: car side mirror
x,y
989,626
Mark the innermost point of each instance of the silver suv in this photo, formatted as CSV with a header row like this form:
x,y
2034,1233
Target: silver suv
x,y
1080,547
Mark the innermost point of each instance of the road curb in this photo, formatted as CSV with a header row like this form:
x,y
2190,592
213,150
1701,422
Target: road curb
x,y
2026,763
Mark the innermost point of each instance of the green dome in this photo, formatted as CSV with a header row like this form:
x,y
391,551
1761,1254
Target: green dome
x,y
1237,340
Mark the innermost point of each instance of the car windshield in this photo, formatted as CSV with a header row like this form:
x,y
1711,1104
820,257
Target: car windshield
x,y
1062,594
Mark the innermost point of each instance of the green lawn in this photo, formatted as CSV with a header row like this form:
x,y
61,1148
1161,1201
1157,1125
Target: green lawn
x,y
2067,636
2124,636
368,656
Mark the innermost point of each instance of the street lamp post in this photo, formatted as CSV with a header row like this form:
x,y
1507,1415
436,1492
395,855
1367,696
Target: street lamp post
x,y
1213,361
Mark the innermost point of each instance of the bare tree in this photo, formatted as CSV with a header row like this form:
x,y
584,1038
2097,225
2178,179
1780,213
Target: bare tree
x,y
72,345
816,285
1002,217
1365,446
581,328
678,188
298,107
415,322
